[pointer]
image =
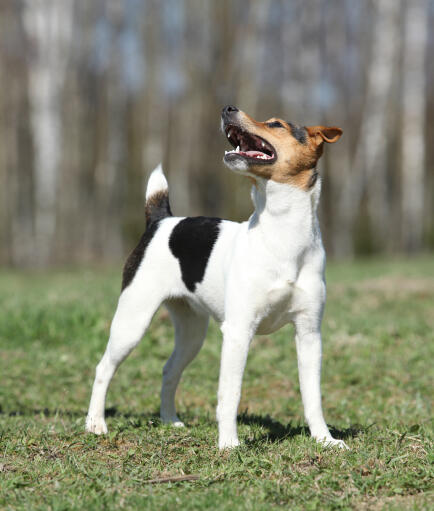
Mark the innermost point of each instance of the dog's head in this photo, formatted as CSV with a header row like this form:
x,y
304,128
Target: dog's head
x,y
275,149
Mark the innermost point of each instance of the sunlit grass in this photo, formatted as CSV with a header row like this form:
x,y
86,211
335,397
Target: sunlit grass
x,y
377,388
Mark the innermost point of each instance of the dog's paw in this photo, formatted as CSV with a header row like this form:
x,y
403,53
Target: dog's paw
x,y
96,425
228,443
178,424
173,421
333,442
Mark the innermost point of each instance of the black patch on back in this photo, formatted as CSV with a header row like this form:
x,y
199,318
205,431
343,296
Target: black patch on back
x,y
136,256
191,242
298,132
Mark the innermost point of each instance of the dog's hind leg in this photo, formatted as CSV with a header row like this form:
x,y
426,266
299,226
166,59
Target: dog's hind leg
x,y
190,332
132,317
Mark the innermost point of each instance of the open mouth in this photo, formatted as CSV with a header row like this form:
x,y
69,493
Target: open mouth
x,y
248,146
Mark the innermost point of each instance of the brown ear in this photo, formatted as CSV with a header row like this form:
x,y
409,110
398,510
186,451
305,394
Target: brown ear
x,y
329,134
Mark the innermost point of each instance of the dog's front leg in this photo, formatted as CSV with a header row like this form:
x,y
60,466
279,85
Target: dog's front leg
x,y
309,352
236,341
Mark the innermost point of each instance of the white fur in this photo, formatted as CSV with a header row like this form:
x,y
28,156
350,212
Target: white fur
x,y
157,182
261,274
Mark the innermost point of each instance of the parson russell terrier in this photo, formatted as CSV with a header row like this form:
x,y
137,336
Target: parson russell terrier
x,y
252,277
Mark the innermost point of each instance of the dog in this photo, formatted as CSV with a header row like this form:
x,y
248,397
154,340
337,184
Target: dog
x,y
251,277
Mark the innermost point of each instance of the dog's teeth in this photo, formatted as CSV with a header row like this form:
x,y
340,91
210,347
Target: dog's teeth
x,y
263,144
237,150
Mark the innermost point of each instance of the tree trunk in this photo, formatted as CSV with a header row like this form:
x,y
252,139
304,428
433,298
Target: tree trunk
x,y
369,164
413,124
49,26
16,145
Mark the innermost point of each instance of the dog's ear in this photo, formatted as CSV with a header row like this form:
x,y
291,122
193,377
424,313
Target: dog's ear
x,y
320,134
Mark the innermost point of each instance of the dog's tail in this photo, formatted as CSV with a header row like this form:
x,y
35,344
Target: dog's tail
x,y
157,197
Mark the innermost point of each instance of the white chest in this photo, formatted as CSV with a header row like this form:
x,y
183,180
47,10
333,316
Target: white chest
x,y
276,308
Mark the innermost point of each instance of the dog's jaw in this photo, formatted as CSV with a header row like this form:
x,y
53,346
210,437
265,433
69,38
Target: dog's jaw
x,y
235,163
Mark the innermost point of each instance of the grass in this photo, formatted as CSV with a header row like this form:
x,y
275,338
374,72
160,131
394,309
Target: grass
x,y
377,388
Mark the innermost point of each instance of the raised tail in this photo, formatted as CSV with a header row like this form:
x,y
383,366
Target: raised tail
x,y
157,197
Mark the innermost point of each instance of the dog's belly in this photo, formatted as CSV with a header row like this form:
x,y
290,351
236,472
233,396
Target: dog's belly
x,y
208,305
273,323
274,315
275,309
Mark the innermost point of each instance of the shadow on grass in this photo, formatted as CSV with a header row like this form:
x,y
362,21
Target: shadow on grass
x,y
278,431
24,411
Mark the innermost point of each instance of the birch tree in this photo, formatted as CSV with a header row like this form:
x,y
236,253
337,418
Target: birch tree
x,y
413,123
49,25
16,145
369,164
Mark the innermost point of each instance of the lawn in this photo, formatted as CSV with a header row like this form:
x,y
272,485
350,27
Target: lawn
x,y
377,392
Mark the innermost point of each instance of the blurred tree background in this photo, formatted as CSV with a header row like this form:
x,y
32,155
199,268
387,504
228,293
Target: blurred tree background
x,y
94,94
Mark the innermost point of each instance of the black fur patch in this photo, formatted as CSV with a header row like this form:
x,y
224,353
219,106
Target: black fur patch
x,y
136,256
157,207
298,132
191,242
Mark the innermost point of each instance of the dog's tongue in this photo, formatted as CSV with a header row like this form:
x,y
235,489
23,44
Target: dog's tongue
x,y
254,154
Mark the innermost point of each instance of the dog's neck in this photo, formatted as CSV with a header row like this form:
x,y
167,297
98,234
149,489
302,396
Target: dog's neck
x,y
285,216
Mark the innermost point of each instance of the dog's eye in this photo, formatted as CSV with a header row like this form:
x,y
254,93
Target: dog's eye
x,y
274,124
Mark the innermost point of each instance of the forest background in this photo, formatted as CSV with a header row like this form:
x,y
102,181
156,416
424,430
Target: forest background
x,y
95,94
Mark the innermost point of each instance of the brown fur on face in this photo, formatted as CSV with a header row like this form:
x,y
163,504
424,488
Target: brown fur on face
x,y
296,160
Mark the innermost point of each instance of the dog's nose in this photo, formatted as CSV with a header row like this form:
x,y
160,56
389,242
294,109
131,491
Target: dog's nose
x,y
228,110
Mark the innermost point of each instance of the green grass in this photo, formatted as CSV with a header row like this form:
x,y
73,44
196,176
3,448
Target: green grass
x,y
377,388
